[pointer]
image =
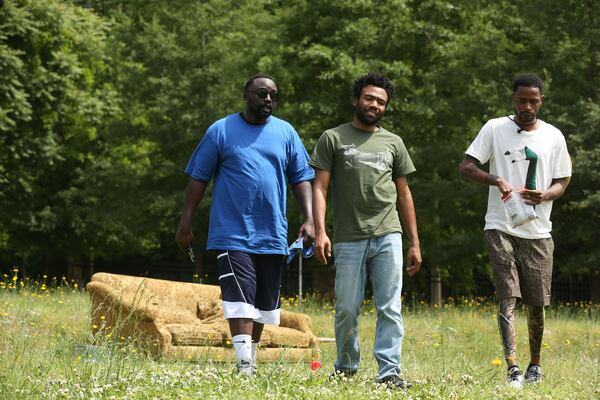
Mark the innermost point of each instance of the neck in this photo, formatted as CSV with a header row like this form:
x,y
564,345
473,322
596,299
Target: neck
x,y
357,123
253,119
528,126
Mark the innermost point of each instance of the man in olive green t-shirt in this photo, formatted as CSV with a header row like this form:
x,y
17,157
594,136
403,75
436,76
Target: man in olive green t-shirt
x,y
367,167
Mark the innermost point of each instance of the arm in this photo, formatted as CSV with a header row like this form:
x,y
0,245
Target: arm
x,y
322,242
194,193
303,194
555,191
406,208
470,169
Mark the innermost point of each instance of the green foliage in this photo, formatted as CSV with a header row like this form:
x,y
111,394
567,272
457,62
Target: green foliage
x,y
100,108
54,98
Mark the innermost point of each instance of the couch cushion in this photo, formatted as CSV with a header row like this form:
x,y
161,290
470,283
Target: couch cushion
x,y
198,334
279,336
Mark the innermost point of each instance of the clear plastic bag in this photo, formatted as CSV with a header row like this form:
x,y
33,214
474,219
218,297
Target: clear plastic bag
x,y
518,212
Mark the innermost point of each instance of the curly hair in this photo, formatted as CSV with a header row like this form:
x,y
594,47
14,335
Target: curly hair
x,y
528,80
375,79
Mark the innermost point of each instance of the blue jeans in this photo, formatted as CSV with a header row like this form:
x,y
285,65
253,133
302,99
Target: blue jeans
x,y
380,259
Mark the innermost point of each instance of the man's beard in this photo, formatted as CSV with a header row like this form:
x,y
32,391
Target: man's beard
x,y
526,118
362,117
262,111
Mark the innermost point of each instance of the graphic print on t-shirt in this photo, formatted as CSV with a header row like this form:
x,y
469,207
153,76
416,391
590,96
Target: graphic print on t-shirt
x,y
526,154
379,161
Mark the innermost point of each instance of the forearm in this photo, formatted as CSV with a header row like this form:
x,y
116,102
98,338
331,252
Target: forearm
x,y
194,193
557,189
320,188
469,169
319,210
303,194
408,216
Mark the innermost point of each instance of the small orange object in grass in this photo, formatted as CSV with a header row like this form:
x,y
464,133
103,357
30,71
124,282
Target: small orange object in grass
x,y
315,365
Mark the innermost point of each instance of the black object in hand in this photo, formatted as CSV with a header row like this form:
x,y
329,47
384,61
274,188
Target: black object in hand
x,y
190,252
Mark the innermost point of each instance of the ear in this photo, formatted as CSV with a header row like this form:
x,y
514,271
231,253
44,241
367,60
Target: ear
x,y
541,99
354,101
245,96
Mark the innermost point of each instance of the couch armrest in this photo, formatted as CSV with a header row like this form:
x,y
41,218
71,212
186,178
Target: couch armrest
x,y
129,304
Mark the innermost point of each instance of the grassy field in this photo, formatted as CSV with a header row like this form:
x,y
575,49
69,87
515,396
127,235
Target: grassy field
x,y
452,352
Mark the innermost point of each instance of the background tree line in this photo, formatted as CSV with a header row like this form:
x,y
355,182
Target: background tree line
x,y
103,101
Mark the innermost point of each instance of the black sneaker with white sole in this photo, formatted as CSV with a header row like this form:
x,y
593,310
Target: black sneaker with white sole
x,y
341,374
395,382
515,377
533,374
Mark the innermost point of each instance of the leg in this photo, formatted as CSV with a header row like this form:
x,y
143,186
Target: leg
x,y
268,282
506,324
535,324
350,279
237,279
385,268
240,326
535,257
501,249
257,329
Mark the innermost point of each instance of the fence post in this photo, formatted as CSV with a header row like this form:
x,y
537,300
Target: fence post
x,y
436,286
595,287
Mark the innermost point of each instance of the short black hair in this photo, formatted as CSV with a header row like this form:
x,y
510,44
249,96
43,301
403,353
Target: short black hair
x,y
255,77
375,79
527,80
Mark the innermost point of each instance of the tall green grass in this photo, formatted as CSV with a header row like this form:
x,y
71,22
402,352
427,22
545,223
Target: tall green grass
x,y
47,351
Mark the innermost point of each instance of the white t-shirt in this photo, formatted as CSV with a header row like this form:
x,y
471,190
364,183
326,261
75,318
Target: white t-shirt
x,y
511,154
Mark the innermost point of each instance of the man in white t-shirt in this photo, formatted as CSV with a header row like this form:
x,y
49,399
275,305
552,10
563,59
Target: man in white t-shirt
x,y
529,158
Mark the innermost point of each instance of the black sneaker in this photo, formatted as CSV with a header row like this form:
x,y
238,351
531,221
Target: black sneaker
x,y
395,382
515,377
533,374
340,374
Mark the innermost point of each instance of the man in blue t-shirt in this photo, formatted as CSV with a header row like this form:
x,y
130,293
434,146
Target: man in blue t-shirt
x,y
251,156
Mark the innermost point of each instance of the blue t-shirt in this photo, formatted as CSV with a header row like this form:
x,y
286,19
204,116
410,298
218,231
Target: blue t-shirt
x,y
250,165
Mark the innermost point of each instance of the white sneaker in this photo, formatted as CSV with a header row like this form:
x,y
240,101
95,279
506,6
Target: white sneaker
x,y
245,368
515,377
533,374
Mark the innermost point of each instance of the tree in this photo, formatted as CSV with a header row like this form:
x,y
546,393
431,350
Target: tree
x,y
53,100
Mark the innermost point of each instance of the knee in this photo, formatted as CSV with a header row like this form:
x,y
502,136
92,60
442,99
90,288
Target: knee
x,y
346,311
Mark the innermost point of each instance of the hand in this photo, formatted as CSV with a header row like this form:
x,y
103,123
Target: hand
x,y
184,237
504,186
532,197
307,231
322,248
413,260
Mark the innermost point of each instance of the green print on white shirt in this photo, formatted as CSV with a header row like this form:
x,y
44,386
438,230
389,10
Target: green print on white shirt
x,y
526,154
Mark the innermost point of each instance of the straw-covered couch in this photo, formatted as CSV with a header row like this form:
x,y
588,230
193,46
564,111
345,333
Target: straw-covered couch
x,y
180,320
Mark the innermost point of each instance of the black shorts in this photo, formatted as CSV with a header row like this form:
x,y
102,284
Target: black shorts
x,y
250,285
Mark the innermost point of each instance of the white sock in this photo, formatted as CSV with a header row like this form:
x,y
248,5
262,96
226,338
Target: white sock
x,y
254,346
242,344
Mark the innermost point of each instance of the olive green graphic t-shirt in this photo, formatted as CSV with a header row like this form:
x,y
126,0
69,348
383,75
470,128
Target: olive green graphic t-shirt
x,y
363,166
